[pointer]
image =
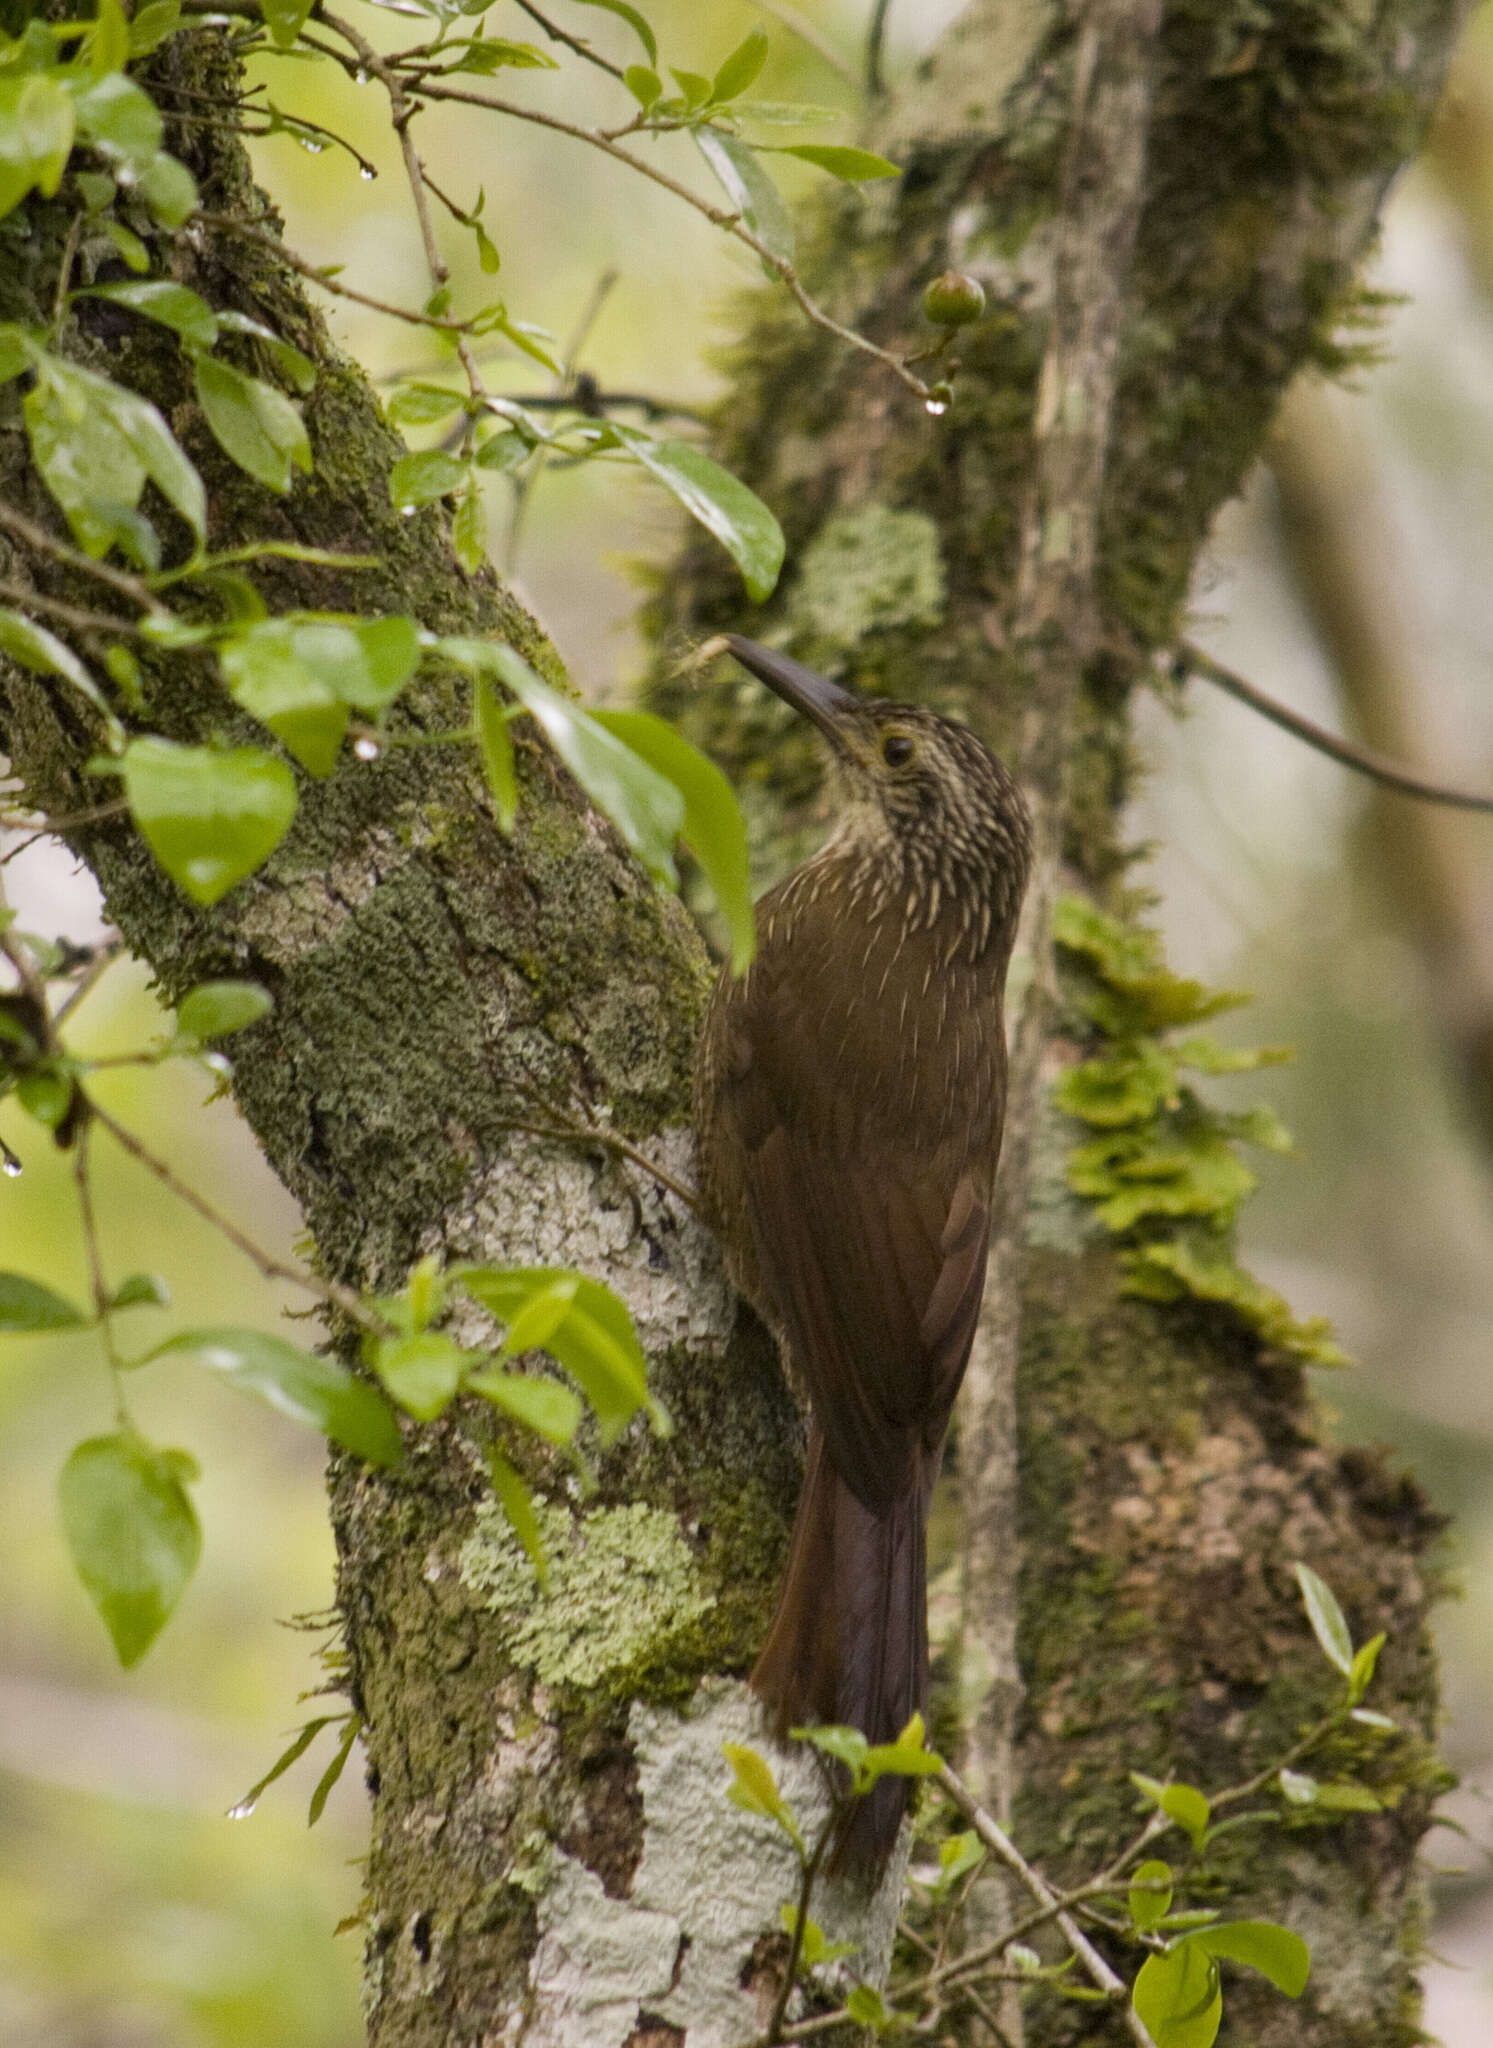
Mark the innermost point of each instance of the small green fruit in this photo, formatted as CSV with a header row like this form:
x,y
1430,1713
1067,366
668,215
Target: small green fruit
x,y
954,300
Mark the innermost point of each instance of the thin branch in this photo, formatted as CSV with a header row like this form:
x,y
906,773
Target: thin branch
x,y
27,599
251,231
402,111
875,35
588,1134
332,1292
1000,1845
731,223
1191,660
41,542
579,44
94,1255
64,272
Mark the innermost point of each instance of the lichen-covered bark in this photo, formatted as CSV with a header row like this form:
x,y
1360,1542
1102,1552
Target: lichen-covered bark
x,y
553,1860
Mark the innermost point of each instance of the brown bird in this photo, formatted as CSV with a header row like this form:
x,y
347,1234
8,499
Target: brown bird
x,y
849,1096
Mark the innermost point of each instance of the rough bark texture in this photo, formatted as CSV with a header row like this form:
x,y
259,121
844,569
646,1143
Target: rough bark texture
x,y
553,1859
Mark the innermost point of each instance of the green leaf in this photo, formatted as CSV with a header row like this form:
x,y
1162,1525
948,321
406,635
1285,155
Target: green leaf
x,y
741,68
119,118
170,191
1326,1618
295,367
152,24
721,502
127,245
957,1856
284,19
579,1322
755,1790
257,426
713,827
15,351
495,744
421,478
309,1389
171,305
544,1406
634,20
215,1008
1298,1788
141,1290
422,1372
109,44
28,1309
242,1808
487,54
95,443
421,405
1361,1676
333,1771
1177,1996
855,166
846,1745
1207,1056
1182,1803
745,181
37,125
469,528
647,810
36,648
1274,1951
299,675
132,1532
867,2008
908,1757
1150,1894
645,86
517,1504
209,818
487,250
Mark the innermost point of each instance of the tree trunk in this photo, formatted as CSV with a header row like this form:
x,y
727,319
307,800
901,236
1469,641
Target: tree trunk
x,y
1165,213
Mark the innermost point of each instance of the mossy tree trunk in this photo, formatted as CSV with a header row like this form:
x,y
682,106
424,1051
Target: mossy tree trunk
x,y
1166,208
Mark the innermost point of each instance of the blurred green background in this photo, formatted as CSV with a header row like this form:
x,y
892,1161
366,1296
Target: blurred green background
x,y
131,1910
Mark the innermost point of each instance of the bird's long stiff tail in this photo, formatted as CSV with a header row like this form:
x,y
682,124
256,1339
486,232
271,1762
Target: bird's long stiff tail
x,y
849,1642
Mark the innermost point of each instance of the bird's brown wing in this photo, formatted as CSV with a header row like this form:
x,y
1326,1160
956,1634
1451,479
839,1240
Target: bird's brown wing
x,y
869,1225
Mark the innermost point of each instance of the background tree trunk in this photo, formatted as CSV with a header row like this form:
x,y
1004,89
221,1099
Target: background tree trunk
x,y
1165,209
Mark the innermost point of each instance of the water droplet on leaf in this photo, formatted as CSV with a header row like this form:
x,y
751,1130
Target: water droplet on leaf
x,y
367,749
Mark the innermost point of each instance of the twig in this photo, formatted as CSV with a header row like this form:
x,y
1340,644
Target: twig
x,y
579,44
402,111
875,34
26,599
1191,660
330,1291
1000,1845
41,542
589,1134
64,272
442,322
104,956
731,223
96,1263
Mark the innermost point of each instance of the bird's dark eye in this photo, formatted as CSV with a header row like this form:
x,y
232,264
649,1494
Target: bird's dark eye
x,y
897,749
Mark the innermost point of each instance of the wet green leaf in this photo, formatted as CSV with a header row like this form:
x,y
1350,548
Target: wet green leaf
x,y
309,1389
215,1008
255,424
723,504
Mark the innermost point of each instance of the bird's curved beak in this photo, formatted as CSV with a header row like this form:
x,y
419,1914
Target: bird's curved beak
x,y
814,695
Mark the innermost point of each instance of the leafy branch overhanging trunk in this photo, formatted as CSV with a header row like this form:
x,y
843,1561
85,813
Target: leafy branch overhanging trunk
x,y
1165,208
